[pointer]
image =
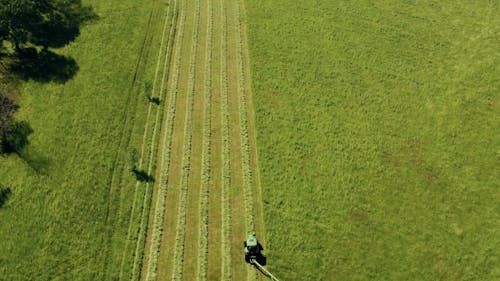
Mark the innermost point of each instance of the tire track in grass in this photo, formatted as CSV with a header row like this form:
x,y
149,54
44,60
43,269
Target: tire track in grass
x,y
182,212
248,190
159,213
249,151
205,177
144,141
226,273
159,116
254,162
124,142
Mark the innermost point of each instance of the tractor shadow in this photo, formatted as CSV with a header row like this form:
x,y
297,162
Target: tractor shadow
x,y
261,259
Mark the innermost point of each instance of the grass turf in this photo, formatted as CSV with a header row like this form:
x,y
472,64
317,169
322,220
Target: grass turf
x,y
53,225
377,129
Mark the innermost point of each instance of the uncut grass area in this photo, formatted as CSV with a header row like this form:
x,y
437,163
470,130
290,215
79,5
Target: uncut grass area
x,y
377,131
67,215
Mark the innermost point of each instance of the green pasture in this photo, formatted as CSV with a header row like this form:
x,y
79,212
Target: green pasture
x,y
54,225
378,137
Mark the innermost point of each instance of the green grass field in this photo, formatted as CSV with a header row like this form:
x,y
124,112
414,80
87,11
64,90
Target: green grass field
x,y
378,137
68,215
375,122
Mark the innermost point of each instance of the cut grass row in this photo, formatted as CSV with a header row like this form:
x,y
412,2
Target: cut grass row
x,y
254,163
249,151
159,212
226,273
143,152
186,156
205,174
215,195
113,214
190,141
141,240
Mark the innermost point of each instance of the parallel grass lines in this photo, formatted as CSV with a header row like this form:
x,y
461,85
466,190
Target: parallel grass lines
x,y
226,273
245,147
205,173
140,242
143,146
159,213
180,233
125,142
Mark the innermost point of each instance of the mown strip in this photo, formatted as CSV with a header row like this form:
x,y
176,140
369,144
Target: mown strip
x,y
113,213
141,240
143,147
159,213
205,174
226,273
186,165
245,147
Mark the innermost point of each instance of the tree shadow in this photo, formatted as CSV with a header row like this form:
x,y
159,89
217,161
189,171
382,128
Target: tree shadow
x,y
4,195
37,162
142,176
43,66
15,139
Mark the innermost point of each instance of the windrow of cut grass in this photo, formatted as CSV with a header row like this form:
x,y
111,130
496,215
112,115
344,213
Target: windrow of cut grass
x,y
203,80
159,211
121,178
226,164
141,240
143,152
245,147
186,156
215,192
206,153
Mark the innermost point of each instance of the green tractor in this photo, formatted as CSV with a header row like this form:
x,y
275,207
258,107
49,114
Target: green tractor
x,y
252,249
253,255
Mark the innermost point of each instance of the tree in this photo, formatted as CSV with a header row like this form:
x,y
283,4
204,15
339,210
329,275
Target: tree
x,y
7,109
45,23
17,18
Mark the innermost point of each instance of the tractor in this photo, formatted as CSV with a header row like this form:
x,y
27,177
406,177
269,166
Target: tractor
x,y
253,255
252,249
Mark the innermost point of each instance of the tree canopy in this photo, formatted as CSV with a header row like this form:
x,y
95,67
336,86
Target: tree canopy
x,y
45,23
7,109
29,25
